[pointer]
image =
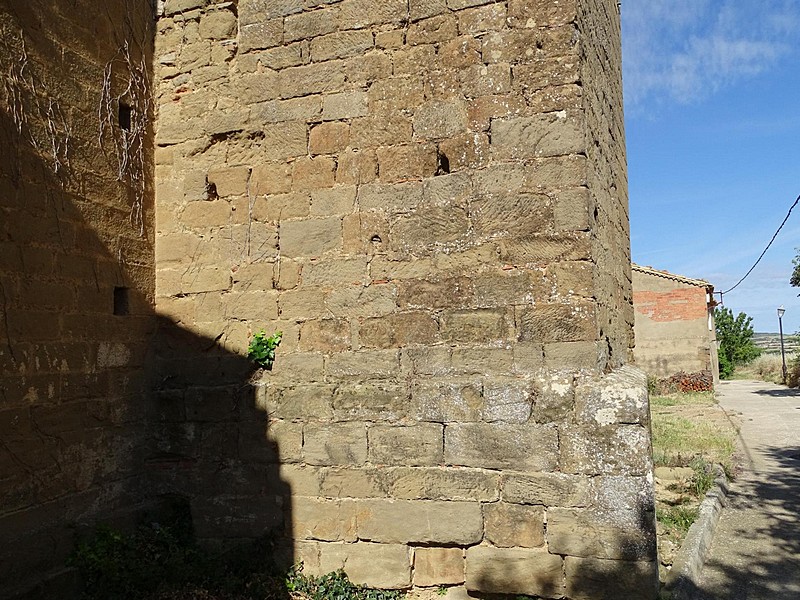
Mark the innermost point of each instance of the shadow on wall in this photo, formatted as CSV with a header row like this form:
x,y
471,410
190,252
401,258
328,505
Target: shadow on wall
x,y
619,575
766,574
106,408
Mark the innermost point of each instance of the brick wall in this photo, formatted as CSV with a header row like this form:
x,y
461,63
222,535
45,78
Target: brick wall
x,y
428,199
76,275
673,328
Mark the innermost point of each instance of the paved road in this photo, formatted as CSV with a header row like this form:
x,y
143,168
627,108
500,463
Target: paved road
x,y
755,554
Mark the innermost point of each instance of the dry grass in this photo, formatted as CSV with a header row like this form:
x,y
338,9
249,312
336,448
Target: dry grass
x,y
687,427
767,367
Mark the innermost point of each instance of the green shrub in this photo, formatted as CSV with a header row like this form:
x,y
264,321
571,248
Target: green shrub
x,y
262,348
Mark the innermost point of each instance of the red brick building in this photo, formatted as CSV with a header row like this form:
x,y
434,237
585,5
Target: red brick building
x,y
674,323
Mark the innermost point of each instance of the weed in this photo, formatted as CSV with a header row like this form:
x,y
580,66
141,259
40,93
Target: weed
x,y
677,519
703,479
262,348
333,586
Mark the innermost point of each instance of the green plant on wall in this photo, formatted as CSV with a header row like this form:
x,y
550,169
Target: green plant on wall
x,y
262,348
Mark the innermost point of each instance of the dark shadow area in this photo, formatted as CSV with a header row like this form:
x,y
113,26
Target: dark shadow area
x,y
760,559
625,536
108,412
781,393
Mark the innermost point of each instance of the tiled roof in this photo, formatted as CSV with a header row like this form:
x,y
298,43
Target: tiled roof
x,y
672,276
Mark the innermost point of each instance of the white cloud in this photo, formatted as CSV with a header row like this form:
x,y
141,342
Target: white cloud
x,y
685,50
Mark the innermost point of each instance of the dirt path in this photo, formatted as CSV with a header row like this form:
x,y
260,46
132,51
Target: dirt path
x,y
755,554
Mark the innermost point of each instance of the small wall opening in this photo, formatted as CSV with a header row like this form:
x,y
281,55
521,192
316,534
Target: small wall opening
x,y
125,116
122,305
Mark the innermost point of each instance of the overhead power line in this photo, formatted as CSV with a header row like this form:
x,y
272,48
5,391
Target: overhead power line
x,y
765,249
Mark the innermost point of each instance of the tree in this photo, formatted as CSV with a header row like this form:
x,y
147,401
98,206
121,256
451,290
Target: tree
x,y
794,280
735,340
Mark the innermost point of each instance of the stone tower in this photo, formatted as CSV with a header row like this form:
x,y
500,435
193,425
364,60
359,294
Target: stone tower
x,y
429,199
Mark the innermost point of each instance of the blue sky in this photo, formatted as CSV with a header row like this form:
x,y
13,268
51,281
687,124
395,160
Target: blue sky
x,y
712,112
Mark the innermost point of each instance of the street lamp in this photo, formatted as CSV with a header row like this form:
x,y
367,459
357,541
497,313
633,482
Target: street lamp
x,y
781,312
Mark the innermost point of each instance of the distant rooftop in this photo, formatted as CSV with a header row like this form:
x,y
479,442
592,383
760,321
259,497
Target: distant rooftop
x,y
672,276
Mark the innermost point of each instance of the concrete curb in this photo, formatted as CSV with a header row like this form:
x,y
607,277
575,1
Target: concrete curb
x,y
686,567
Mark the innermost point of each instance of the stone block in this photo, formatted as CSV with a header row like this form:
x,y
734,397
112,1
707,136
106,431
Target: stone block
x,y
460,52
514,525
387,197
448,401
372,132
482,80
541,74
481,326
301,479
501,446
381,566
399,93
554,397
371,401
443,483
400,163
373,364
550,322
332,272
218,25
438,566
617,534
358,14
539,249
277,207
398,330
422,522
429,230
364,233
439,119
348,482
344,105
532,572
592,450
434,293
229,181
619,398
301,402
325,335
483,361
339,200
497,215
340,45
288,440
310,237
311,173
357,166
306,108
306,366
552,134
578,355
317,78
320,519
284,140
417,445
440,28
414,60
360,301
548,489
589,578
266,34
481,111
422,9
251,306
271,178
466,151
311,24
482,19
335,444
329,138
532,13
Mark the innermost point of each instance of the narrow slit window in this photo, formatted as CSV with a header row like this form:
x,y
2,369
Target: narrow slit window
x,y
122,305
125,116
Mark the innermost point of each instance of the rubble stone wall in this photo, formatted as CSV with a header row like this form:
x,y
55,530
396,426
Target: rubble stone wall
x,y
76,273
428,198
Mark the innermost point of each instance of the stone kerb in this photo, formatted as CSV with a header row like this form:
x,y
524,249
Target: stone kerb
x,y
407,190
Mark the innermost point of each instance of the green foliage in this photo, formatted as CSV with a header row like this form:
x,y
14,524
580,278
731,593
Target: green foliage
x,y
794,280
164,563
677,519
703,479
735,339
262,348
333,586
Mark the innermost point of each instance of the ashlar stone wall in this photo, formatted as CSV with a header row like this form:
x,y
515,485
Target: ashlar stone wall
x,y
428,198
76,274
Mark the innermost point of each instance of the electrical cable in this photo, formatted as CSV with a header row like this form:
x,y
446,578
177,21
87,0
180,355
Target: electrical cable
x,y
765,249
